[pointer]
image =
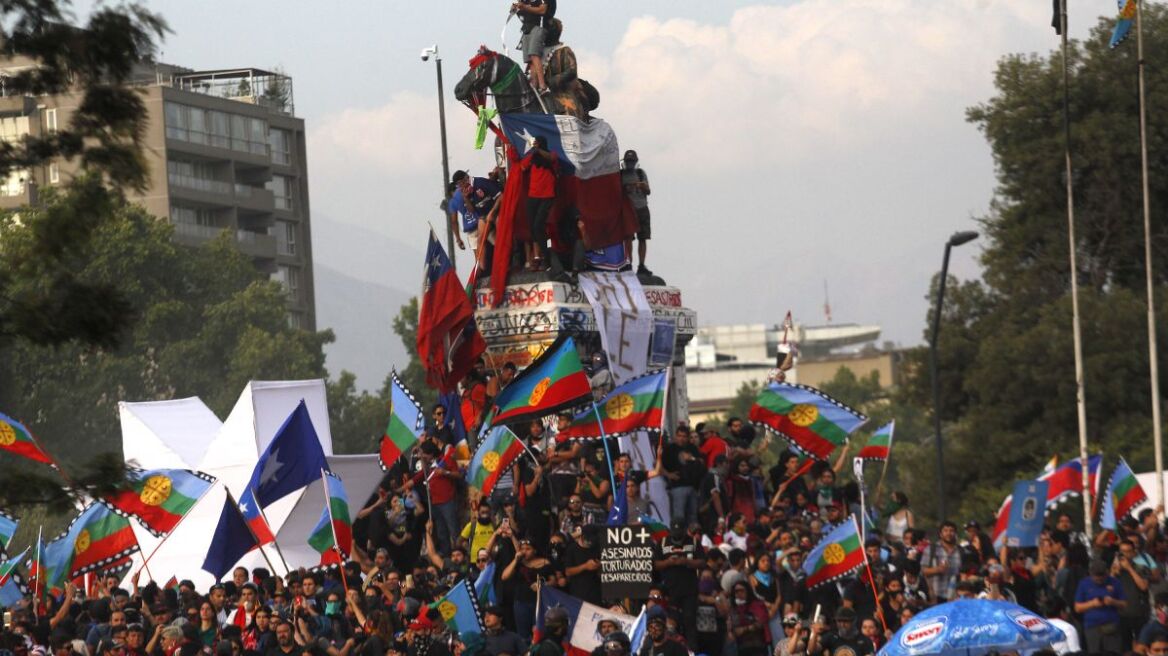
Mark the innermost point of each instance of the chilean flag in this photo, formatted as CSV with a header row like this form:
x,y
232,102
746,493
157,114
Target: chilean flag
x,y
1063,481
292,460
448,339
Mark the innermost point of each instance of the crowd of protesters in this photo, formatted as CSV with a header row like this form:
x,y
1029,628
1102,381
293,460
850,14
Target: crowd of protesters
x,y
728,576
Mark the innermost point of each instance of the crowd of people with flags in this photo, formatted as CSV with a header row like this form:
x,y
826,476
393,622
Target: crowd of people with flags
x,y
493,547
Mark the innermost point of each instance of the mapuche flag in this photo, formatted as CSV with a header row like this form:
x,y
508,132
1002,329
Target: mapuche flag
x,y
498,449
8,524
459,609
16,438
98,537
8,566
1123,494
553,382
809,419
639,404
879,445
160,498
838,554
332,537
405,424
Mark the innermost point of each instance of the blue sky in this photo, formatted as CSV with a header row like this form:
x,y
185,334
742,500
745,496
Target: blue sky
x,y
787,143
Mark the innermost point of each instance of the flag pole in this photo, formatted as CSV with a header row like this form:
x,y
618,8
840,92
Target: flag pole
x,y
1080,394
1153,364
604,445
259,546
36,597
871,581
167,536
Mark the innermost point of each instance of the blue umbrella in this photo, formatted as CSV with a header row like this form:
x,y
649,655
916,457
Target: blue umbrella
x,y
972,627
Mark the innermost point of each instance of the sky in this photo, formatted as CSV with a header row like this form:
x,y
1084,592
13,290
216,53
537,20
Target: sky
x,y
789,144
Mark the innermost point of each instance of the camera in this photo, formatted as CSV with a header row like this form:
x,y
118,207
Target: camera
x,y
429,52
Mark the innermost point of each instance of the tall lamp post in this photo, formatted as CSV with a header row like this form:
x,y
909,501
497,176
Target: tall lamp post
x,y
427,53
957,239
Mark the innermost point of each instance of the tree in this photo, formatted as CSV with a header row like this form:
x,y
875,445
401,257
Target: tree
x,y
1005,355
357,421
41,301
405,326
205,323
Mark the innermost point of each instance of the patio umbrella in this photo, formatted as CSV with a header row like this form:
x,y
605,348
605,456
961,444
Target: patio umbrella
x,y
972,627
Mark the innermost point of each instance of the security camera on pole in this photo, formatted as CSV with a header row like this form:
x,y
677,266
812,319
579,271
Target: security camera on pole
x,y
427,53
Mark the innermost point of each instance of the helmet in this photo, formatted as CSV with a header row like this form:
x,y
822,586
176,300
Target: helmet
x,y
617,642
556,617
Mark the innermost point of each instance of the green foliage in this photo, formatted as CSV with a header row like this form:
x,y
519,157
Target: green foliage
x,y
1005,360
743,399
41,300
357,421
206,323
405,326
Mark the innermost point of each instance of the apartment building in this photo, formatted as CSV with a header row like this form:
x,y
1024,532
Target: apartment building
x,y
225,151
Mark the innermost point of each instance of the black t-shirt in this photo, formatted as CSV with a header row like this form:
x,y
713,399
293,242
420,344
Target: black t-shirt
x,y
531,20
666,648
679,581
584,585
860,594
790,590
691,471
837,645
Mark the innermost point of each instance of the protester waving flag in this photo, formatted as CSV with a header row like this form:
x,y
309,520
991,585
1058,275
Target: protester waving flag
x,y
553,382
16,438
332,537
292,460
838,554
160,498
496,452
639,404
879,445
1122,495
809,419
406,421
231,541
1062,481
8,524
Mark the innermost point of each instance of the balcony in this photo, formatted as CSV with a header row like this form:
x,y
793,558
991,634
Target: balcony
x,y
256,245
252,244
199,184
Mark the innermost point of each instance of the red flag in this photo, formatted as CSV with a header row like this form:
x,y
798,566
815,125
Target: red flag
x,y
510,225
442,321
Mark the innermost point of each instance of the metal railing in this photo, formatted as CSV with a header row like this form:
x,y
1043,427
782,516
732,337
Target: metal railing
x,y
199,184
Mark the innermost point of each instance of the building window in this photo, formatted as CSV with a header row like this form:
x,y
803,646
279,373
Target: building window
x,y
13,128
13,184
195,175
281,145
50,120
187,215
54,173
285,237
295,321
289,277
176,121
219,129
282,188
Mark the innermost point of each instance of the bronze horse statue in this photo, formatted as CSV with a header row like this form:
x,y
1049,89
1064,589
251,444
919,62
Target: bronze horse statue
x,y
505,79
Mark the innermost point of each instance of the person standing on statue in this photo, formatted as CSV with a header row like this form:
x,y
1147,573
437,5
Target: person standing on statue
x,y
636,184
535,15
542,166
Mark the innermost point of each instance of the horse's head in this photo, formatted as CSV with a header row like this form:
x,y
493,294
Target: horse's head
x,y
479,77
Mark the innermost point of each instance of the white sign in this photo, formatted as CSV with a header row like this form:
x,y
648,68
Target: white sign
x,y
624,320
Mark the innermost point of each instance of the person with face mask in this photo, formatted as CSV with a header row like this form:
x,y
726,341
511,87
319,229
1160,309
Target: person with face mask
x,y
748,622
845,640
555,625
582,566
657,641
1157,627
713,606
678,561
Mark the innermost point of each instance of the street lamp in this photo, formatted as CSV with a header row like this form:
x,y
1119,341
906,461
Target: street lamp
x,y
957,239
427,53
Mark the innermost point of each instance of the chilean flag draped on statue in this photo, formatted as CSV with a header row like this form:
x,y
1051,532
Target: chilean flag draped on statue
x,y
292,460
448,339
589,159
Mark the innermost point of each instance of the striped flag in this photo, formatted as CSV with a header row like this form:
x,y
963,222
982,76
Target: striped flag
x,y
495,454
160,498
16,438
1123,24
8,524
8,566
404,427
1122,495
460,610
553,382
810,420
879,446
838,554
638,404
332,537
659,530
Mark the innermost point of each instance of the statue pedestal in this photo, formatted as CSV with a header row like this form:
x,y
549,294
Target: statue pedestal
x,y
535,311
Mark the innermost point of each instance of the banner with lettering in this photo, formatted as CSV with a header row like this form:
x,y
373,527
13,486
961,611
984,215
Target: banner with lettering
x,y
624,320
